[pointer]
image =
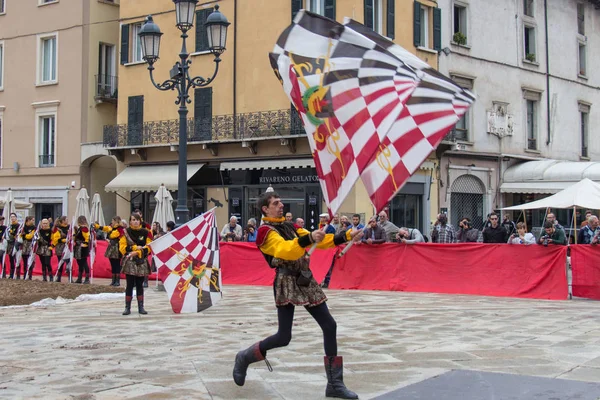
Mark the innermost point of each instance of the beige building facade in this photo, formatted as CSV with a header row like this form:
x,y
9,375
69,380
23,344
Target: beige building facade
x,y
58,88
243,135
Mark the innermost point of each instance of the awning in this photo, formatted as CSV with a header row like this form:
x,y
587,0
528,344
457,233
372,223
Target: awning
x,y
280,164
547,176
268,164
534,187
147,178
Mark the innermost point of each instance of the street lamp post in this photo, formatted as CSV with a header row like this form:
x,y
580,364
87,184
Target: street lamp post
x,y
216,29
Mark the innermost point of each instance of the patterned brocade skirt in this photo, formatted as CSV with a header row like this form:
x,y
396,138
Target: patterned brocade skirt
x,y
136,267
43,251
287,290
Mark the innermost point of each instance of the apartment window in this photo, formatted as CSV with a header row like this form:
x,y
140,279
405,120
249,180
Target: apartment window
x,y
581,18
129,35
461,129
107,82
1,65
201,34
528,7
373,15
203,113
47,140
531,109
44,2
529,43
459,19
582,59
48,58
2,7
421,28
135,120
325,8
584,115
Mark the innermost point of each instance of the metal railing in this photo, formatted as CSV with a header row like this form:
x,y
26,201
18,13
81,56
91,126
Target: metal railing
x,y
457,134
46,160
106,87
217,128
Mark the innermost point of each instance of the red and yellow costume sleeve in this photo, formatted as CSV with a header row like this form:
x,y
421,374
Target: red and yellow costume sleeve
x,y
114,233
271,243
85,233
142,251
55,238
29,236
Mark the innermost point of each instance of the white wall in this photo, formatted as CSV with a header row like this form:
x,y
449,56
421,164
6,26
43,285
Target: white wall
x,y
495,59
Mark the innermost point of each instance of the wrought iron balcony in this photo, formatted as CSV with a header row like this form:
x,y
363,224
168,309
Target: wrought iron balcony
x,y
457,135
106,88
218,128
46,160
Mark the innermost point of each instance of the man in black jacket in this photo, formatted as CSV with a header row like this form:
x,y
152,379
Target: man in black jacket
x,y
495,233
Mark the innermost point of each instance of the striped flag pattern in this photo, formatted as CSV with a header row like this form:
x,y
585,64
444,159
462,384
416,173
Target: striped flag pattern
x,y
348,91
370,108
187,260
435,106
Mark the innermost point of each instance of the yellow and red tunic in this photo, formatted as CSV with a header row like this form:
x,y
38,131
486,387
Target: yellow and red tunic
x,y
283,246
140,238
59,239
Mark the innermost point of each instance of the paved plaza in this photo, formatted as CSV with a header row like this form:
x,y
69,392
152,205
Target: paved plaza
x,y
389,340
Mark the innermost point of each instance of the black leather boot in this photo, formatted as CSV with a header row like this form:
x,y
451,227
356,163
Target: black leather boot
x,y
80,274
334,367
243,359
127,305
30,274
140,300
113,281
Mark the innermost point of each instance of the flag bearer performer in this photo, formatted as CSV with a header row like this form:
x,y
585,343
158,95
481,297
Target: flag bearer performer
x,y
81,249
283,246
134,246
114,232
3,228
13,230
44,249
27,235
59,241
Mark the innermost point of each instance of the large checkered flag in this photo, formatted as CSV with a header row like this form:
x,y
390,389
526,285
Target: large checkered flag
x,y
348,92
188,264
434,108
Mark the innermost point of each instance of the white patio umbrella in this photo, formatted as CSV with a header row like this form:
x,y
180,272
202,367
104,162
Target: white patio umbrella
x,y
8,206
164,208
83,205
97,213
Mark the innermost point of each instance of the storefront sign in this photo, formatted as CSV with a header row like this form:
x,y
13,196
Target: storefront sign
x,y
289,179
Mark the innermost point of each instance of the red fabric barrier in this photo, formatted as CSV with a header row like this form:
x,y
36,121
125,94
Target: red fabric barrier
x,y
244,264
585,265
477,269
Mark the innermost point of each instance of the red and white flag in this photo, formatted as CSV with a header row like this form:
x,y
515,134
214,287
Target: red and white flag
x,y
187,260
348,92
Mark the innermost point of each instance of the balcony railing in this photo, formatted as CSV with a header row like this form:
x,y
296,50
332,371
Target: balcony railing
x,y
457,135
106,87
46,160
218,128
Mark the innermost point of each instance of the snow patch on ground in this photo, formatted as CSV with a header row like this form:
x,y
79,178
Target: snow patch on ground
x,y
84,297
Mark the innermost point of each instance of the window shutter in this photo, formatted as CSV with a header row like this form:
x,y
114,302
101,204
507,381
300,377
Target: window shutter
x,y
417,24
330,9
391,20
203,113
368,13
135,120
124,44
296,6
437,29
201,35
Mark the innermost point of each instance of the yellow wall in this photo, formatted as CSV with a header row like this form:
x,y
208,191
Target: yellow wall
x,y
257,87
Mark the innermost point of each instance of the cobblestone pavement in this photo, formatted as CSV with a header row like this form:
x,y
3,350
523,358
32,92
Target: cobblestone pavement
x,y
88,350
